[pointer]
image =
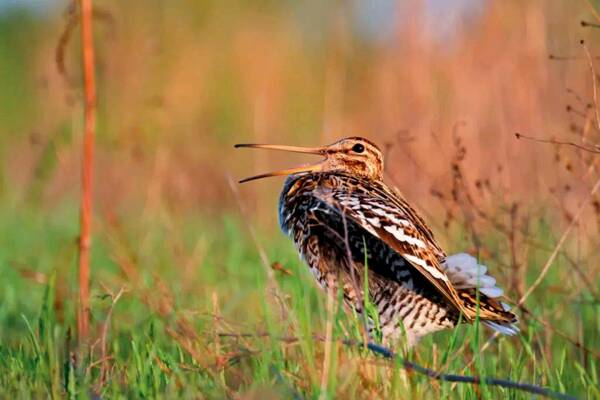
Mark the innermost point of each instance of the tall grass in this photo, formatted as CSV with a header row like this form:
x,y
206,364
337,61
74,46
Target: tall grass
x,y
169,336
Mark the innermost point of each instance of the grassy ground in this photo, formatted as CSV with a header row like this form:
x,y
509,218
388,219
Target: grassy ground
x,y
185,281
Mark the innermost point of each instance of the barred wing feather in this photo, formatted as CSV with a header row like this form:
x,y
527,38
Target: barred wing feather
x,y
383,215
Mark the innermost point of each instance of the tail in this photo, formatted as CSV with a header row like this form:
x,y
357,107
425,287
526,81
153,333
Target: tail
x,y
468,276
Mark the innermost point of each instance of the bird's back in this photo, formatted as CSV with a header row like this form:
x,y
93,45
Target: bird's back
x,y
341,223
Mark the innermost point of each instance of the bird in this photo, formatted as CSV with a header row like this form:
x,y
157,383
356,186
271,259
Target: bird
x,y
359,236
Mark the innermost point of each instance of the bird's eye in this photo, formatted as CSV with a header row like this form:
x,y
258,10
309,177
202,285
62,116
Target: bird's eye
x,y
358,148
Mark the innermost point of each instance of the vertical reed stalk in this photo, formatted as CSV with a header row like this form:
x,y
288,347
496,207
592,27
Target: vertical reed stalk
x,y
87,47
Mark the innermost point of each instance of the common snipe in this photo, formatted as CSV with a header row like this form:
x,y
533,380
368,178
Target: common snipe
x,y
343,217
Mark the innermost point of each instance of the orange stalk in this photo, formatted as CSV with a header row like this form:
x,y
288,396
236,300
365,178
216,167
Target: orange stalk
x,y
87,47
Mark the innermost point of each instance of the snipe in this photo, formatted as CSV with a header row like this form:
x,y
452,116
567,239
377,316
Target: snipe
x,y
343,217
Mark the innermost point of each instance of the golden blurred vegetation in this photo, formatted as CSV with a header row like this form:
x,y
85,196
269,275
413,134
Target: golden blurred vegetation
x,y
180,82
442,89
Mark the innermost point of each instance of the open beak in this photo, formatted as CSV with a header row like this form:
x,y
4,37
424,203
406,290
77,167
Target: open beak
x,y
289,171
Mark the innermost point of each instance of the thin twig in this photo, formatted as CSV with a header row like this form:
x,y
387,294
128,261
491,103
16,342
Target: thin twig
x,y
595,149
594,83
105,328
63,40
586,24
87,48
101,361
389,354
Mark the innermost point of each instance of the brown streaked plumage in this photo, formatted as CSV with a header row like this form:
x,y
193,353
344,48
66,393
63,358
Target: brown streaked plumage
x,y
343,217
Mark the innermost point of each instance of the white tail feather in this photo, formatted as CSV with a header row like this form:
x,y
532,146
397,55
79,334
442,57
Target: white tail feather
x,y
491,291
505,329
465,273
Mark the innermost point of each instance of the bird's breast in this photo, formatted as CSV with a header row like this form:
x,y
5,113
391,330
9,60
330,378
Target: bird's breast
x,y
289,203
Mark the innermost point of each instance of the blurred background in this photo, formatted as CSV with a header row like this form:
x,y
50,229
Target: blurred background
x,y
181,82
441,86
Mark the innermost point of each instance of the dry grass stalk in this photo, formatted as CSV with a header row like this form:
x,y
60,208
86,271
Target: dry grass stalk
x,y
103,338
328,341
87,47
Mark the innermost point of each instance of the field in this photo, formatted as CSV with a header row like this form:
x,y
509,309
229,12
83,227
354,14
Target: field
x,y
194,291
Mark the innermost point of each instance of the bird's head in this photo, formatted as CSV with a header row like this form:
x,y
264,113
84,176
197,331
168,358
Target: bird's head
x,y
356,156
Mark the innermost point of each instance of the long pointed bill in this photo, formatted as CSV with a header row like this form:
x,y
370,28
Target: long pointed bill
x,y
282,172
289,171
294,149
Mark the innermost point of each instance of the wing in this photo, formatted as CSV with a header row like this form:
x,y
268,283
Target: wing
x,y
385,215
